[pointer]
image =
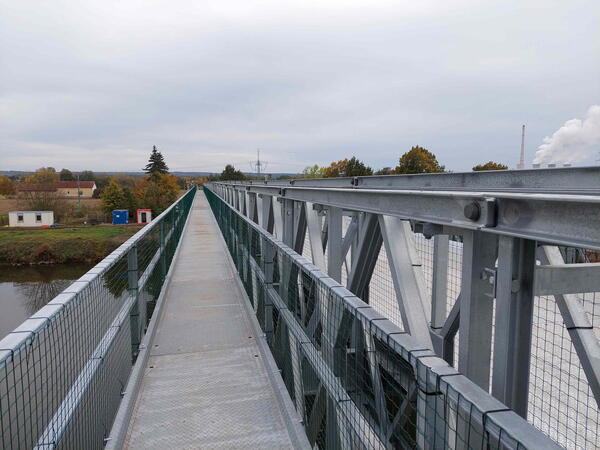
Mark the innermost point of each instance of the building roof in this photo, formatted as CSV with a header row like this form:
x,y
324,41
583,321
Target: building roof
x,y
31,211
52,187
36,187
73,184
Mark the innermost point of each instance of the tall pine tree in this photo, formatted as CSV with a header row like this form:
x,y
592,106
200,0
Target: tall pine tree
x,y
156,163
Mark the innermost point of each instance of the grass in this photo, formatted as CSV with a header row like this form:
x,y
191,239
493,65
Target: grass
x,y
62,245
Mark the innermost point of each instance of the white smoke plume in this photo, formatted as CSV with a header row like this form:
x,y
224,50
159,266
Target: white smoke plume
x,y
573,142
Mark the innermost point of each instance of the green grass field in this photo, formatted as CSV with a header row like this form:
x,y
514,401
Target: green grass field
x,y
43,246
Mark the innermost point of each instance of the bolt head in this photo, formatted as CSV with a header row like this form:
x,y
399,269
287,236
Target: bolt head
x,y
472,211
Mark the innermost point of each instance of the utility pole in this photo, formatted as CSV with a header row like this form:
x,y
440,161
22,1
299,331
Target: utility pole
x,y
78,194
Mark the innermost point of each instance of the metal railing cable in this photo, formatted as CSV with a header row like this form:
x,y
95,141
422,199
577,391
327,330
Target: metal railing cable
x,y
356,378
63,370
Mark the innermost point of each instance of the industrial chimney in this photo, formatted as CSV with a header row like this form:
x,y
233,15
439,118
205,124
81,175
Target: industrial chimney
x,y
522,160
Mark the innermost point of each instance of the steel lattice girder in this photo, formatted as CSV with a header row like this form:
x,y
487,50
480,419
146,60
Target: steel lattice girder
x,y
435,378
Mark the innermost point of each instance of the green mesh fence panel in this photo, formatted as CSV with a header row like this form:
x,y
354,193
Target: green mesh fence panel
x,y
63,371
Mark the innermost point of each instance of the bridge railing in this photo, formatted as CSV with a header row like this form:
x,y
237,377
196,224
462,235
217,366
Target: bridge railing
x,y
357,378
63,370
498,272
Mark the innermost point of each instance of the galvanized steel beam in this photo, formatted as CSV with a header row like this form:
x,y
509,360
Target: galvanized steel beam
x,y
513,322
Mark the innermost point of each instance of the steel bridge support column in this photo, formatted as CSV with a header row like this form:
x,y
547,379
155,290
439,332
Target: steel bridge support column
x,y
252,210
476,307
278,217
287,235
334,243
439,288
514,315
313,224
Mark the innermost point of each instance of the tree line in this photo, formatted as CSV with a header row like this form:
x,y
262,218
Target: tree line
x,y
415,161
155,190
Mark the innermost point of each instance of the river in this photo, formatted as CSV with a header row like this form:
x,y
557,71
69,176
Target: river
x,y
25,289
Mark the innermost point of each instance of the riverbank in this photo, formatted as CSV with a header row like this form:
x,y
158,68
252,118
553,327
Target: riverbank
x,y
62,245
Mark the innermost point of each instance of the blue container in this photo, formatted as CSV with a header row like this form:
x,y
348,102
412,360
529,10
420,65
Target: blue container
x,y
120,216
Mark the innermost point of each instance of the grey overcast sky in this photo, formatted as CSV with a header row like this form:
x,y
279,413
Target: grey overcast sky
x,y
94,84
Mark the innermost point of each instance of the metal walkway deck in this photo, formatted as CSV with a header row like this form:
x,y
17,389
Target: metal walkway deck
x,y
207,382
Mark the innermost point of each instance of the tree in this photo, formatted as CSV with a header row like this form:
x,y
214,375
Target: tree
x,y
356,168
45,175
112,196
352,167
87,175
418,160
229,173
490,165
161,191
66,175
130,201
7,187
156,163
385,171
313,171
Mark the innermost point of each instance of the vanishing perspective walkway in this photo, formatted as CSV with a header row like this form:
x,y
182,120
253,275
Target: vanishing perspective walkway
x,y
207,378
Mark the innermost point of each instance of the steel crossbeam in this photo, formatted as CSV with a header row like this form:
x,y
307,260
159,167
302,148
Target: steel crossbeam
x,y
526,214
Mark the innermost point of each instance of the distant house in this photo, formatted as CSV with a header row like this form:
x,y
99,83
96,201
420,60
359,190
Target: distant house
x,y
63,188
69,188
30,218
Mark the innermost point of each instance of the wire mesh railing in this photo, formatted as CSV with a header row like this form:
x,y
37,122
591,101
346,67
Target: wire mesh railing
x,y
63,371
356,378
560,400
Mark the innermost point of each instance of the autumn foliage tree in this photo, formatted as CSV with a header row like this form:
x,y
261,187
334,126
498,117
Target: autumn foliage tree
x,y
44,175
7,187
352,167
314,171
490,165
418,160
161,191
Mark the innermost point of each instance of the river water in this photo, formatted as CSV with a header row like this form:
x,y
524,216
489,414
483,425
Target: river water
x,y
25,289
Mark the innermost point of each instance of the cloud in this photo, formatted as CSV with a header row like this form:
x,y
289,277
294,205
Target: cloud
x,y
307,82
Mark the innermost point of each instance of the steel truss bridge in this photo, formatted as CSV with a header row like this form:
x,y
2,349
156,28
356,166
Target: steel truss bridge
x,y
418,311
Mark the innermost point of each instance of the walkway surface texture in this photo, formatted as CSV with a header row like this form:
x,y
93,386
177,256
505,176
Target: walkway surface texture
x,y
207,383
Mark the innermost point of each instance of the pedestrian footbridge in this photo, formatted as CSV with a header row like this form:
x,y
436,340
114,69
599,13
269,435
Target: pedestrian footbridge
x,y
428,311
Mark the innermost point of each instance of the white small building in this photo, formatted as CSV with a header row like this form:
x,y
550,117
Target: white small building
x,y
30,218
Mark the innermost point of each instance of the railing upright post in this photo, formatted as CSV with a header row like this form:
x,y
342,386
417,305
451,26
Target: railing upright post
x,y
476,306
513,322
137,317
